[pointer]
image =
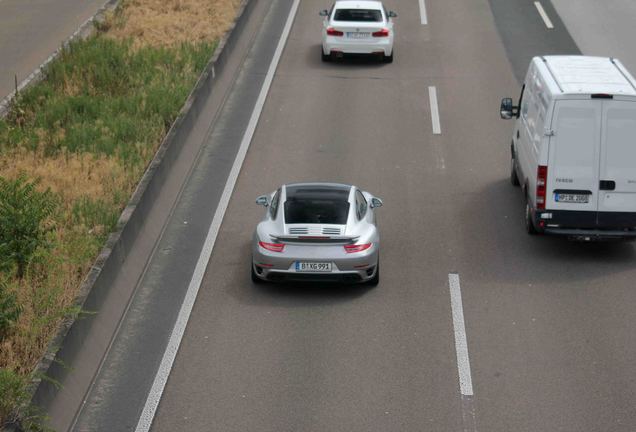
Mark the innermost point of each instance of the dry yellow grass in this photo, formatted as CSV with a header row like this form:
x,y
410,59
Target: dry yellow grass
x,y
73,176
170,22
29,338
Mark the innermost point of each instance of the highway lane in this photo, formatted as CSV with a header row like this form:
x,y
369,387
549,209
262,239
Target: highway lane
x,y
331,358
547,321
525,34
30,31
116,398
602,28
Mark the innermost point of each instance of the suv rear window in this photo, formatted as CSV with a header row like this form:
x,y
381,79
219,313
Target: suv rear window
x,y
358,15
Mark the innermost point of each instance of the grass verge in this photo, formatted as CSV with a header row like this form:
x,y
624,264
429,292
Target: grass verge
x,y
72,150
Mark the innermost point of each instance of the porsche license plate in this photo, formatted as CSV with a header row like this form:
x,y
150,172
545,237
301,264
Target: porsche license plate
x,y
320,267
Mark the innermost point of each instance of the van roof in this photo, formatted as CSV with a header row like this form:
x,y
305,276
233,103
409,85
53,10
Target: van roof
x,y
588,75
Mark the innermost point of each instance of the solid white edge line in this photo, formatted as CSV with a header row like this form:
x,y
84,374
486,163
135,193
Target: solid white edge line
x,y
432,96
461,344
423,16
544,15
161,378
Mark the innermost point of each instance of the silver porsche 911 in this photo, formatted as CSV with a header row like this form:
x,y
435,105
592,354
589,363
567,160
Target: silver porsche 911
x,y
317,232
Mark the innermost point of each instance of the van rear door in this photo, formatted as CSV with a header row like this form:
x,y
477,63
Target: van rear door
x,y
573,162
618,165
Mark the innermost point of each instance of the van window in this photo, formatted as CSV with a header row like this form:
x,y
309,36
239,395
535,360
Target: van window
x,y
577,132
540,121
620,132
519,104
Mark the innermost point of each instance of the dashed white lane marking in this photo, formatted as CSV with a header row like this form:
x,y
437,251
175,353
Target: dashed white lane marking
x,y
152,402
461,344
461,349
423,16
432,96
544,15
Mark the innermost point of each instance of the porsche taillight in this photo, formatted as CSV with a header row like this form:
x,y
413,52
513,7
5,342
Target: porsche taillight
x,y
353,248
273,247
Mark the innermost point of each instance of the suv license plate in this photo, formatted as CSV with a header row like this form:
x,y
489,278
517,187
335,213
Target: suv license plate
x,y
572,198
313,267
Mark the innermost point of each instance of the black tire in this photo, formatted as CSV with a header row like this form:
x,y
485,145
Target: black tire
x,y
514,178
375,280
324,57
255,278
530,228
387,59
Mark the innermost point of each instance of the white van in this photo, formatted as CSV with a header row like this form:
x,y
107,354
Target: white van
x,y
573,147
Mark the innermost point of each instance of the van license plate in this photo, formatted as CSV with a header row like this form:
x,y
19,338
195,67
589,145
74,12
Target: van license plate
x,y
572,198
319,267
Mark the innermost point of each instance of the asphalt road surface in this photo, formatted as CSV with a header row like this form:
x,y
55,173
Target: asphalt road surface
x,y
547,324
602,28
31,30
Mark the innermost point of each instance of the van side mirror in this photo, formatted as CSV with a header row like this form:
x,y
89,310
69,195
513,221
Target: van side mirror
x,y
376,202
324,13
263,200
507,110
392,14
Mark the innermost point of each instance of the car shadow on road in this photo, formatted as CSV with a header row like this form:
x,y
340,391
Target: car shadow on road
x,y
492,221
349,61
308,293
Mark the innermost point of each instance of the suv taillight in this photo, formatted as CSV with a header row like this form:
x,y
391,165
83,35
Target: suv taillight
x,y
542,183
333,32
382,33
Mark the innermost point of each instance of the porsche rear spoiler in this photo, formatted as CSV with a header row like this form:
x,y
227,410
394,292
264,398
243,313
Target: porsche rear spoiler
x,y
314,239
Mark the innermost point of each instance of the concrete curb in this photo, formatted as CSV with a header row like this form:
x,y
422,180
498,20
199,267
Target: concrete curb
x,y
55,364
86,29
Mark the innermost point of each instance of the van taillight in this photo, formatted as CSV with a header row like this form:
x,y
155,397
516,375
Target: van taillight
x,y
542,183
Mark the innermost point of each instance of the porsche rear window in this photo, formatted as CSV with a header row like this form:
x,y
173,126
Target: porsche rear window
x,y
358,15
317,204
316,211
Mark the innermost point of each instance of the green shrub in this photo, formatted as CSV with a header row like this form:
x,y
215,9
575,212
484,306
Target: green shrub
x,y
15,407
12,394
23,211
10,310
